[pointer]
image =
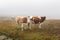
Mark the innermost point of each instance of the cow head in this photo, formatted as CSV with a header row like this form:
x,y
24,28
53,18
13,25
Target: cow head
x,y
42,19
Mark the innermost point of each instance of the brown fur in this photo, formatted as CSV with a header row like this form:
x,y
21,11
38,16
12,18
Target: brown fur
x,y
23,20
37,20
42,19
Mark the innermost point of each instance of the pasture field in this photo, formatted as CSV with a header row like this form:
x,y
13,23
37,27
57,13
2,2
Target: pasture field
x,y
50,30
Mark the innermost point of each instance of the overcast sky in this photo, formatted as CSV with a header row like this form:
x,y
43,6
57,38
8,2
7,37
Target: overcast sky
x,y
49,8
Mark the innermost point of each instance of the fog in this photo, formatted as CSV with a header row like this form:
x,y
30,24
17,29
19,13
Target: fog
x,y
48,8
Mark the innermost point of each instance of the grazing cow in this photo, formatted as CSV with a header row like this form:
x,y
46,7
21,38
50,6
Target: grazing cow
x,y
21,20
38,20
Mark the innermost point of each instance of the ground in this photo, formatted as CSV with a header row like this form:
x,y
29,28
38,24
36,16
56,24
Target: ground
x,y
50,30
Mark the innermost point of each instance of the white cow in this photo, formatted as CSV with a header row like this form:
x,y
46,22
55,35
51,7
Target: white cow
x,y
22,20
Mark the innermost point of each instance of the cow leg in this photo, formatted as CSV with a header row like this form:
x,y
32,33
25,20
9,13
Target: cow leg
x,y
25,25
19,25
17,22
39,25
22,26
29,25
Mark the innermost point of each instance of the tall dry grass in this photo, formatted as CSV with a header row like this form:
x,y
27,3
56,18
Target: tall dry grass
x,y
50,30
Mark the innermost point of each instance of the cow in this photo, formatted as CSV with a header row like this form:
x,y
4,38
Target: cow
x,y
38,20
21,20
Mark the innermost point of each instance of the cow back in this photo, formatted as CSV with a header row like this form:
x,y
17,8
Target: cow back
x,y
36,19
23,20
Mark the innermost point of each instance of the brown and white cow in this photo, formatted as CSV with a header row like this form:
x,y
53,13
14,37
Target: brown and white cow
x,y
21,20
38,20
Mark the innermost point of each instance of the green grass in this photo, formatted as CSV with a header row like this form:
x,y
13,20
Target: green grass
x,y
50,31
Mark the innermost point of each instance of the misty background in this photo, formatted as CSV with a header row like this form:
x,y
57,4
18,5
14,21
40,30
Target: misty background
x,y
48,8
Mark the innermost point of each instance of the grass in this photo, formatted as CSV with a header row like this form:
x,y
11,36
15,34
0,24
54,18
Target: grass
x,y
50,30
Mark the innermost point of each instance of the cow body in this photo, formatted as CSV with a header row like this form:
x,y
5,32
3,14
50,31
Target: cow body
x,y
21,20
35,19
